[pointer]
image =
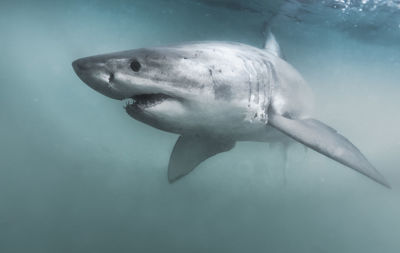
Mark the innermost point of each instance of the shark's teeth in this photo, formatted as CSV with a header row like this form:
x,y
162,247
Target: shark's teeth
x,y
146,100
129,102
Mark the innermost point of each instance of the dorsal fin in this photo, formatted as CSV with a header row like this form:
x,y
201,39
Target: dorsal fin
x,y
271,45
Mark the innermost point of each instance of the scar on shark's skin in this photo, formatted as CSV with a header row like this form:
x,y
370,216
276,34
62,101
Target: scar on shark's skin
x,y
214,94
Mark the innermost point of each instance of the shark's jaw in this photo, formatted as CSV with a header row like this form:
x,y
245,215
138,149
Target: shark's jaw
x,y
164,112
145,101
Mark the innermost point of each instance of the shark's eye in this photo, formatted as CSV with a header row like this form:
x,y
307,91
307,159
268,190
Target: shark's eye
x,y
135,65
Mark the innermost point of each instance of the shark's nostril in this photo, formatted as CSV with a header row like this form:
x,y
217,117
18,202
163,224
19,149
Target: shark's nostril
x,y
111,77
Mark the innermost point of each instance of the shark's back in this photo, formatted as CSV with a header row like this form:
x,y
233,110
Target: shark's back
x,y
266,79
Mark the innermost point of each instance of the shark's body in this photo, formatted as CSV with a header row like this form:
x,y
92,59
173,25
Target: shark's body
x,y
216,93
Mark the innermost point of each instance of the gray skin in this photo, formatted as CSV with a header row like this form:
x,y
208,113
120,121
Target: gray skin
x,y
213,88
216,93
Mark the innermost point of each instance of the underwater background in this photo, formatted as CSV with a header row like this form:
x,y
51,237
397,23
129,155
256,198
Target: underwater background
x,y
77,174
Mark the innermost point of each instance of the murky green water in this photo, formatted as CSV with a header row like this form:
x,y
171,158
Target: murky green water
x,y
77,174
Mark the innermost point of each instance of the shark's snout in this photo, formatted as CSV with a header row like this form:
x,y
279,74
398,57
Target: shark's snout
x,y
93,72
88,66
80,65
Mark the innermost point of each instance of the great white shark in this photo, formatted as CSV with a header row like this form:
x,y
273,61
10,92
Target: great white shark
x,y
214,94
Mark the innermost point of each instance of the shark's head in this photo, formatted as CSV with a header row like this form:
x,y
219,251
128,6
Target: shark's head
x,y
158,82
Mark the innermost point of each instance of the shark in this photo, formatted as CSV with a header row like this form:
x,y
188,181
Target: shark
x,y
214,94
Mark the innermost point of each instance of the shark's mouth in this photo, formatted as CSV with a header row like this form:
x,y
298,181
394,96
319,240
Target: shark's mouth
x,y
144,101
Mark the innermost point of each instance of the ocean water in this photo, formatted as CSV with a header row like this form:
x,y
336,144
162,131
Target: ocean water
x,y
77,174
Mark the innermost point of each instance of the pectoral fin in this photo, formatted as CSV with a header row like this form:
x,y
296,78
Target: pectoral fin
x,y
190,151
327,141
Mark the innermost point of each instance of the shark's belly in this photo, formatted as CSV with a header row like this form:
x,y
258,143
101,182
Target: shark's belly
x,y
236,121
248,131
